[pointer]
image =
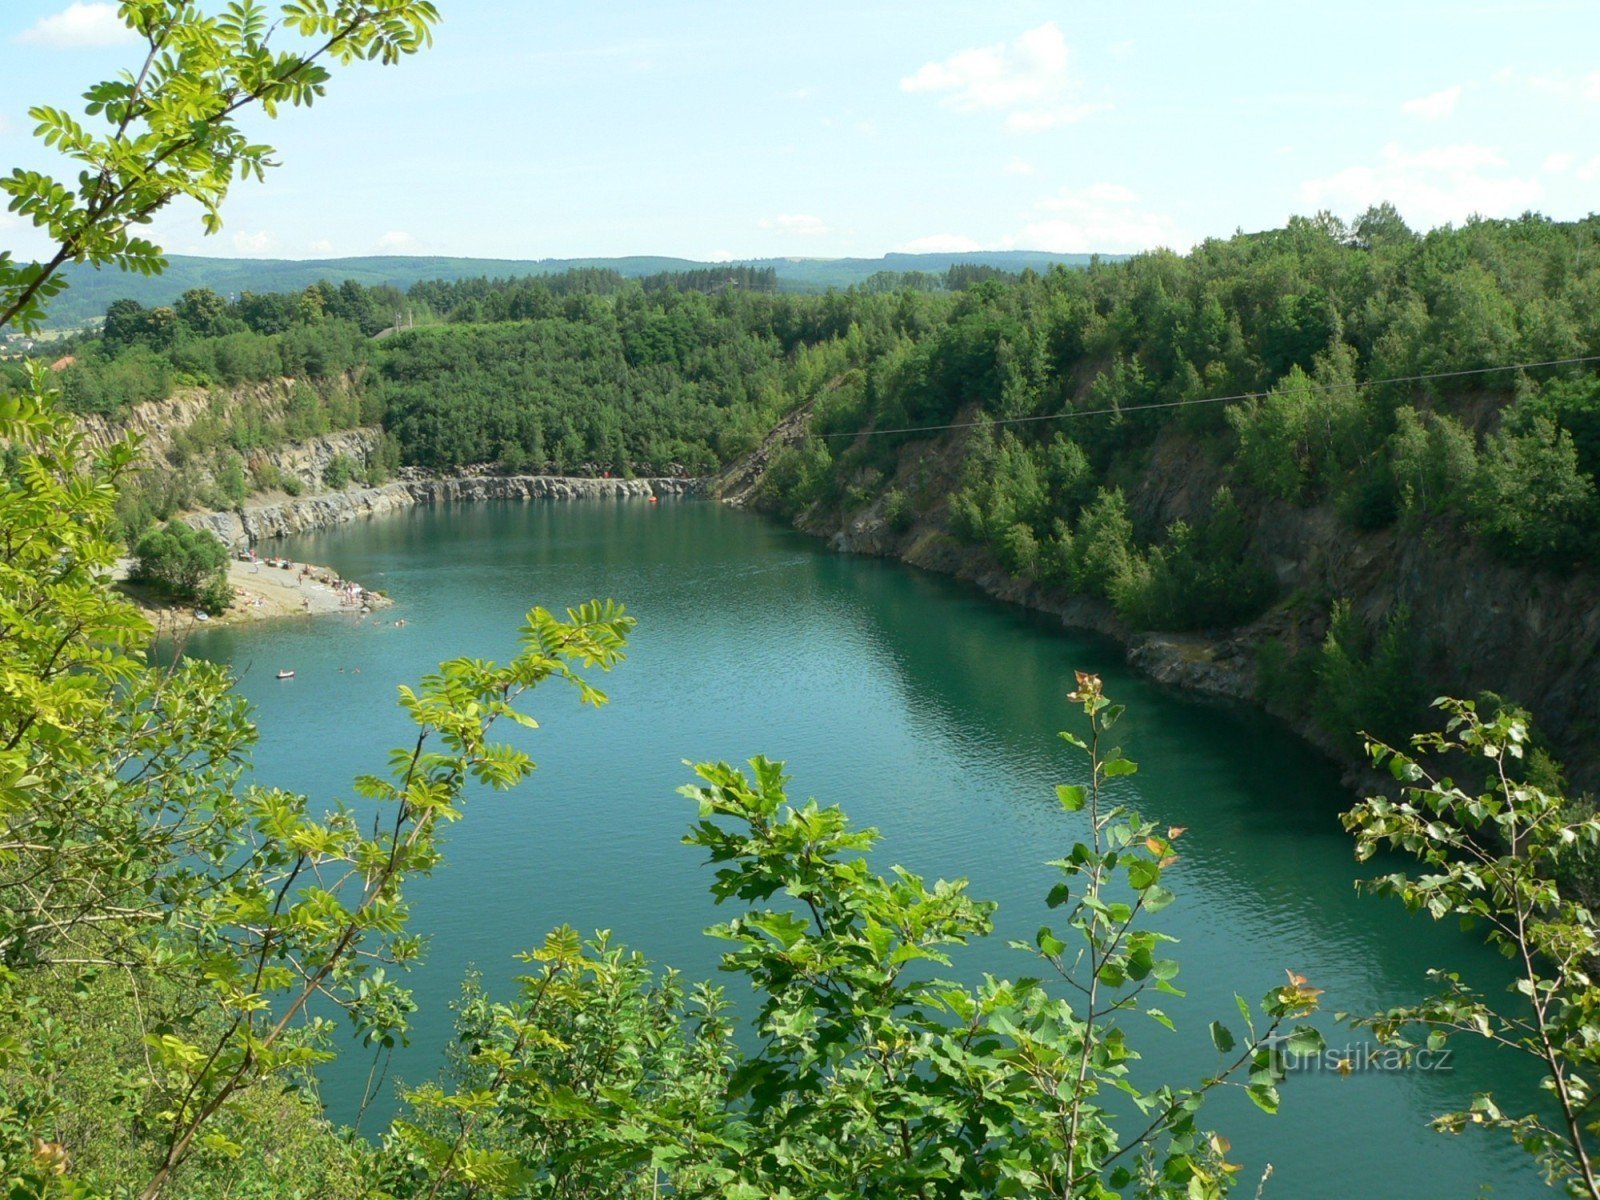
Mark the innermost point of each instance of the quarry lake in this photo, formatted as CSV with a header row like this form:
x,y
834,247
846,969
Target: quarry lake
x,y
921,707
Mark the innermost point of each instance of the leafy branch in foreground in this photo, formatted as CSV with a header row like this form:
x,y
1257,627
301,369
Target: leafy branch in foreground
x,y
869,1074
1492,856
127,846
171,127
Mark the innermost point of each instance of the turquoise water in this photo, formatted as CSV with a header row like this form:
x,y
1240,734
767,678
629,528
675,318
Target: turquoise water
x,y
920,706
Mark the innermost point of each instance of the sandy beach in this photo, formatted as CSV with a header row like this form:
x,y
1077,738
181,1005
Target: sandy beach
x,y
261,592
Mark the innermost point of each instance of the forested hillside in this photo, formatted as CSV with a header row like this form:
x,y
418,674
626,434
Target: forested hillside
x,y
1300,434
1312,433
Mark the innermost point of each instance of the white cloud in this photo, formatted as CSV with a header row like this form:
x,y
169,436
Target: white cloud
x,y
1104,217
1122,51
77,27
1557,164
1568,87
1590,170
397,241
940,243
1434,106
1027,79
799,224
1431,187
259,242
720,256
802,94
1020,166
322,247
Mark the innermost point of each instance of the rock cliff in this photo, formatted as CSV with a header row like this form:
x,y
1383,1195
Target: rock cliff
x,y
263,519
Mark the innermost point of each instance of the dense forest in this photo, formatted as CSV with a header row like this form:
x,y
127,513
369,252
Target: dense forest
x,y
1364,371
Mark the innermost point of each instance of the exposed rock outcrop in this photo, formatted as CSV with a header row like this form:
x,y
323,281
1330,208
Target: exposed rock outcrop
x,y
260,520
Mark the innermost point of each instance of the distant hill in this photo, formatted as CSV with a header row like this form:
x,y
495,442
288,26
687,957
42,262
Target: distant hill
x,y
91,290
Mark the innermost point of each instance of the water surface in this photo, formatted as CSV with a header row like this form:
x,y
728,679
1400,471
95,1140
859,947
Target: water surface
x,y
921,706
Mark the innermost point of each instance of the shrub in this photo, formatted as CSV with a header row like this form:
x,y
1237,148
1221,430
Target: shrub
x,y
339,472
1204,577
897,511
1366,679
186,564
1530,501
1491,851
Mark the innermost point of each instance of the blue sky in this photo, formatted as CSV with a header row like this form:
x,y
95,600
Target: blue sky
x,y
717,129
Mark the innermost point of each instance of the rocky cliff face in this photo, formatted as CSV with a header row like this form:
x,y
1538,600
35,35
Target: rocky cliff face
x,y
270,518
1531,636
162,428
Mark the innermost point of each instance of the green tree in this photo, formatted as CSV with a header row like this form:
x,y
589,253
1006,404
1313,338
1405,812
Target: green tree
x,y
188,563
1433,460
202,311
1102,548
1366,678
1491,854
1531,501
123,843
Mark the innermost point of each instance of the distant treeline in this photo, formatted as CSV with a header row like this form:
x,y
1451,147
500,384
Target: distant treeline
x,y
532,298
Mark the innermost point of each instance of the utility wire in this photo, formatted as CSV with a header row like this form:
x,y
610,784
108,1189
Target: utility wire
x,y
1070,413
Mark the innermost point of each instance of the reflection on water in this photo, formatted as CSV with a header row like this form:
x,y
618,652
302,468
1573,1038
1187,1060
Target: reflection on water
x,y
919,706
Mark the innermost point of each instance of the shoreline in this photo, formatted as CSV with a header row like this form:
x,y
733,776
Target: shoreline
x,y
261,593
267,517
1220,669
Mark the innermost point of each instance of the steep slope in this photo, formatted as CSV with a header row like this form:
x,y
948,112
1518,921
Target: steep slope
x,y
1484,626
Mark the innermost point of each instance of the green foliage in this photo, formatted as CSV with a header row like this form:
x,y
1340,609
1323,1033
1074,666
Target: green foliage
x,y
1204,576
93,1026
95,383
657,384
130,851
869,1074
340,471
1307,431
1531,500
1007,482
590,372
1491,854
1367,680
171,129
798,475
1571,404
1433,461
1284,680
898,513
1326,324
186,563
1102,547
